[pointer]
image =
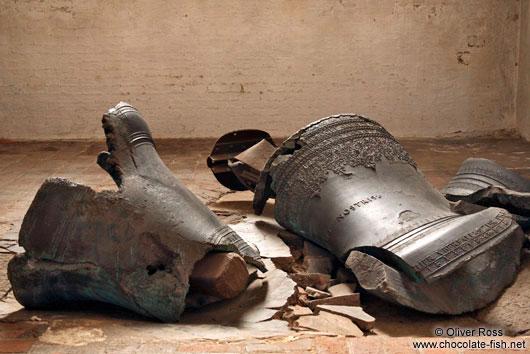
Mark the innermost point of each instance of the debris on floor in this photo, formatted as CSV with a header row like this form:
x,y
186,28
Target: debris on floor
x,y
293,312
300,291
344,300
318,259
342,289
354,313
326,322
316,294
263,299
315,280
262,232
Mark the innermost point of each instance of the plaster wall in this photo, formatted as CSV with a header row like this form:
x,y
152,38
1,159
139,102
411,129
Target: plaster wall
x,y
523,91
198,68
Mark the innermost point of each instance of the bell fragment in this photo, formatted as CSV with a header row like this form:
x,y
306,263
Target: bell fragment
x,y
484,182
242,151
346,184
476,174
134,248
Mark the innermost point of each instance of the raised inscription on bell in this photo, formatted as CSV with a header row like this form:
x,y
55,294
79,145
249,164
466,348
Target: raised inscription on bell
x,y
463,245
357,205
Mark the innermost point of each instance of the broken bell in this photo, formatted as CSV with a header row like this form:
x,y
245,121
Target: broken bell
x,y
484,182
346,184
135,248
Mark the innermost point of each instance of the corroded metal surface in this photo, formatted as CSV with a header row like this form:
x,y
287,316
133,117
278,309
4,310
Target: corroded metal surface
x,y
474,285
135,248
484,182
476,174
346,184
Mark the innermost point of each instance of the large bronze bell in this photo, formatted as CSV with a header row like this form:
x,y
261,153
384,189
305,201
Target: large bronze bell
x,y
346,184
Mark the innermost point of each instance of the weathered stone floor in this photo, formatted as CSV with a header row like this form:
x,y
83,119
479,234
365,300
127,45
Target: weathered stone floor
x,y
101,328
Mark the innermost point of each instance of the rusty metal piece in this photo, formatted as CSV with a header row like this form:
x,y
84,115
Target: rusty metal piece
x,y
135,248
236,156
346,184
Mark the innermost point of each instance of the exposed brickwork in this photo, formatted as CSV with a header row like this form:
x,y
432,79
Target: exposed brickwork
x,y
15,345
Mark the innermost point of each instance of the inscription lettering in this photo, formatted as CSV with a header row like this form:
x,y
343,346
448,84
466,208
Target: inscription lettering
x,y
463,245
357,205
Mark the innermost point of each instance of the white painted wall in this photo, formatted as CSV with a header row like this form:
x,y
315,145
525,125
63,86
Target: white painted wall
x,y
198,68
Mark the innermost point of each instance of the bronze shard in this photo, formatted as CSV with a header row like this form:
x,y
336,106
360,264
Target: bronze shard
x,y
486,183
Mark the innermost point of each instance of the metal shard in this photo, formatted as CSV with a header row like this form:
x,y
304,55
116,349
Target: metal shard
x,y
135,248
484,182
223,159
476,174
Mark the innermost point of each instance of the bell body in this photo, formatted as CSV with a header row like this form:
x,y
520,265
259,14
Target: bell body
x,y
345,183
394,214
